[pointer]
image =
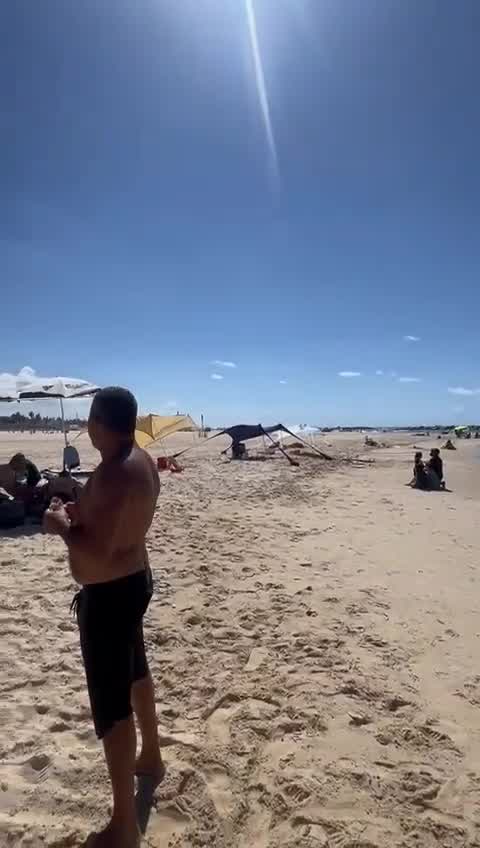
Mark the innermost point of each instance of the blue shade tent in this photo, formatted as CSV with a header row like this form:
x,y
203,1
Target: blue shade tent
x,y
243,432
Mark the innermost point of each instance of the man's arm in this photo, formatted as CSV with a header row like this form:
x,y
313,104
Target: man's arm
x,y
93,537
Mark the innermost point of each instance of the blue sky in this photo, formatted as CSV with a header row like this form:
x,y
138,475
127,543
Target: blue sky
x,y
156,216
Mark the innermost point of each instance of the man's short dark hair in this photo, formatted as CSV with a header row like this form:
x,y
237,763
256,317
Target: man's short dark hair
x,y
117,409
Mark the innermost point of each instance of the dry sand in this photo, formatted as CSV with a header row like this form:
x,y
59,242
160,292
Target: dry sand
x,y
314,638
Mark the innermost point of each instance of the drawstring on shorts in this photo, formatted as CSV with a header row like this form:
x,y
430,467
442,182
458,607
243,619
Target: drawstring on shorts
x,y
75,603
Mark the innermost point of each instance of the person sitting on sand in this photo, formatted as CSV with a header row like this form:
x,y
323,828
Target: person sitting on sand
x,y
27,477
25,470
105,535
435,465
419,475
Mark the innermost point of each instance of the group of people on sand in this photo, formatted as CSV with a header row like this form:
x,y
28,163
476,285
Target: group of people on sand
x,y
20,482
25,492
428,475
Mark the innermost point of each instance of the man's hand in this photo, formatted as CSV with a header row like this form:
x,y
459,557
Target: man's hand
x,y
56,519
72,511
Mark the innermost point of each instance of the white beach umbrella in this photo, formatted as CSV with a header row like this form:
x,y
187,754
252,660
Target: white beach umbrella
x,y
12,386
56,387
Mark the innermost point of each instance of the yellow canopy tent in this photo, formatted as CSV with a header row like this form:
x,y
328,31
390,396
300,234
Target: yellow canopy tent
x,y
150,428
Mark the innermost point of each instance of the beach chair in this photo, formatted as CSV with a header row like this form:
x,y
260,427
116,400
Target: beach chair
x,y
71,458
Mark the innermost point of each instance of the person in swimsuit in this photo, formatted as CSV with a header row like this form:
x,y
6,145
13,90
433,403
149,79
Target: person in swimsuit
x,y
105,536
435,464
419,475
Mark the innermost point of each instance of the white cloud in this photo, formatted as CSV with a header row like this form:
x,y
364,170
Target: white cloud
x,y
283,382
349,374
216,377
409,380
25,375
12,383
461,390
222,363
26,371
171,404
411,338
379,373
393,373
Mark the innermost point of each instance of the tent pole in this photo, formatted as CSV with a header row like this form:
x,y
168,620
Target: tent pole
x,y
63,422
312,447
291,461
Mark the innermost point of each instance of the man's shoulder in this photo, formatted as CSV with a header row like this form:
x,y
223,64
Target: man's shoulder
x,y
139,461
138,468
134,469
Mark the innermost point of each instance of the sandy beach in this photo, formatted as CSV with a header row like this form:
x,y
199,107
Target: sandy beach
x,y
314,638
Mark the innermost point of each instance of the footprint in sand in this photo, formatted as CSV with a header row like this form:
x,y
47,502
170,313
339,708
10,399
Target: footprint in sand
x,y
257,657
309,833
297,792
167,824
437,829
19,776
59,727
257,825
39,762
417,785
220,789
395,703
298,724
231,705
375,641
340,840
423,736
218,724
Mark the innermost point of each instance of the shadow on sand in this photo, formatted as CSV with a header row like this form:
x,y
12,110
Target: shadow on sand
x,y
25,530
30,529
144,800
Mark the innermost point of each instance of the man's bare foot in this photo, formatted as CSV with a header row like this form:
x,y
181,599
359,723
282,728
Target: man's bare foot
x,y
151,767
115,836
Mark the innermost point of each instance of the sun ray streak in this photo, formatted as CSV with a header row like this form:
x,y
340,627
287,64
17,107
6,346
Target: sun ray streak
x,y
261,87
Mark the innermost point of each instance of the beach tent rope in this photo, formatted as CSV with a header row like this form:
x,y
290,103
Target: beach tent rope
x,y
150,428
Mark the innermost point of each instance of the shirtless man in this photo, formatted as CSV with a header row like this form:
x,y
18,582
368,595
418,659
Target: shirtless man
x,y
105,535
